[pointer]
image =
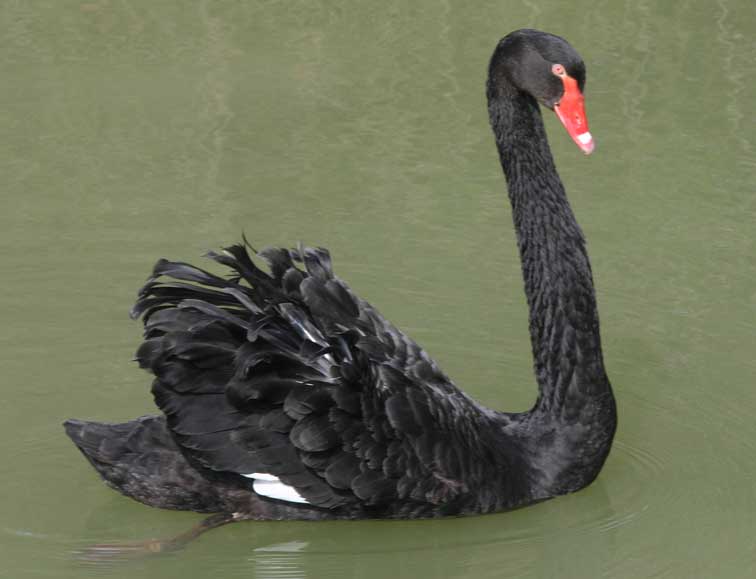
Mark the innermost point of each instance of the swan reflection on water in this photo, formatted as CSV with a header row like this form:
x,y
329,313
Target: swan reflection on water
x,y
538,541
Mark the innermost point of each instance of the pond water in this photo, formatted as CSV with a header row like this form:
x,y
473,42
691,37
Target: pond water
x,y
137,130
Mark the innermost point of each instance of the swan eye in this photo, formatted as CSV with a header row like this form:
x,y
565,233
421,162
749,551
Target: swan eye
x,y
558,70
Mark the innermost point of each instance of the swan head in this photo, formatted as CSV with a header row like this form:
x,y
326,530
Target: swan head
x,y
550,70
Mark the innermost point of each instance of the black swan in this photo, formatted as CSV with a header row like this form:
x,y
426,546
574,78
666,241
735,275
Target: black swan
x,y
286,396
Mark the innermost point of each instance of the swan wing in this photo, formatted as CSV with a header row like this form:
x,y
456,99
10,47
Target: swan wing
x,y
289,380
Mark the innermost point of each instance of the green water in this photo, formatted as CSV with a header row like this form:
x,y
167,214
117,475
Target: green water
x,y
136,130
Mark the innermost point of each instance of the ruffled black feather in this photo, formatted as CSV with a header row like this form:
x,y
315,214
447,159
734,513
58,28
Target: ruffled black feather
x,y
290,374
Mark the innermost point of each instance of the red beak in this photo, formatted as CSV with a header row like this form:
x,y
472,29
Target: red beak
x,y
571,112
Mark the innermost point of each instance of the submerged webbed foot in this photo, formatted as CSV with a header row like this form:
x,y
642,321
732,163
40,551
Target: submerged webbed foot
x,y
103,553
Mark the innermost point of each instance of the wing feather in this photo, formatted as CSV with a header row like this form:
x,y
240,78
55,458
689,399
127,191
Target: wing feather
x,y
290,376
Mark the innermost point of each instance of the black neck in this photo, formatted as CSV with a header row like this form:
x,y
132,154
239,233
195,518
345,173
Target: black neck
x,y
564,327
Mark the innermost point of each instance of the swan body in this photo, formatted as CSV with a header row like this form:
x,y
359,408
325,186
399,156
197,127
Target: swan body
x,y
286,396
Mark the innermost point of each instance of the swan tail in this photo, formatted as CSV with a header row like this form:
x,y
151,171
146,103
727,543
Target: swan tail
x,y
140,460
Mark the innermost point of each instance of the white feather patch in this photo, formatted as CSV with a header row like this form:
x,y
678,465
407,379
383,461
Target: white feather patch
x,y
270,486
262,476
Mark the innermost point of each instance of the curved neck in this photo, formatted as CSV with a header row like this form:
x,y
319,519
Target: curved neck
x,y
564,329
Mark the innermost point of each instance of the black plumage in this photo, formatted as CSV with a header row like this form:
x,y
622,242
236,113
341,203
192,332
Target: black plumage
x,y
283,371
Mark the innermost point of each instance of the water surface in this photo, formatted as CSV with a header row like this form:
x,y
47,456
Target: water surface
x,y
137,130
